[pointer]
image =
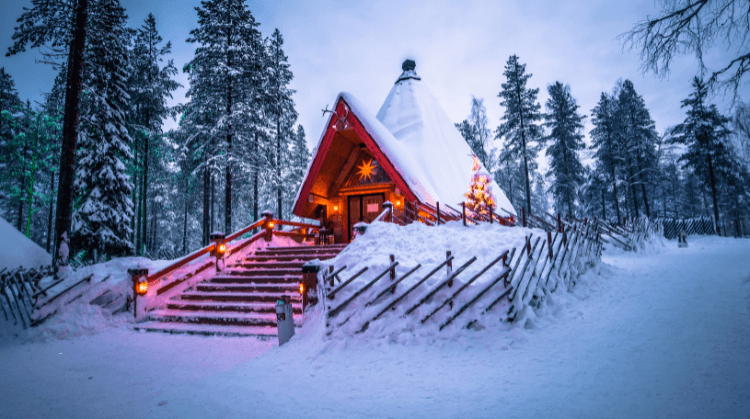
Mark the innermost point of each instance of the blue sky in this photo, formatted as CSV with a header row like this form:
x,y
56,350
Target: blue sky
x,y
460,48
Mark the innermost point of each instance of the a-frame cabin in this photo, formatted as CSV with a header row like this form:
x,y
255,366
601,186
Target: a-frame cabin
x,y
410,152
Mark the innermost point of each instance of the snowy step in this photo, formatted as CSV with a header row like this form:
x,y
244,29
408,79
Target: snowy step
x,y
207,330
248,287
298,251
239,307
240,279
217,317
262,272
291,265
292,257
239,296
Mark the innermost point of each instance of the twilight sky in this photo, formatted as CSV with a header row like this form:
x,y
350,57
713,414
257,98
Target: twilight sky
x,y
460,48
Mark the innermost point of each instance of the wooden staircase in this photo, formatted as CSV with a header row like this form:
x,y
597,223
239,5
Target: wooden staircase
x,y
241,300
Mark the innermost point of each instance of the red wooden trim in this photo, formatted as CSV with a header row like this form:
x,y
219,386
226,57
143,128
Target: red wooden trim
x,y
182,262
245,230
320,155
374,148
253,239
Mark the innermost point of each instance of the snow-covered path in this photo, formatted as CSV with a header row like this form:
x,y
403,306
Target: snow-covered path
x,y
666,335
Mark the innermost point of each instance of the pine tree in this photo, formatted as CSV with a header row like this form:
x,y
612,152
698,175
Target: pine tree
x,y
604,136
479,199
101,223
61,25
565,126
638,137
10,107
284,114
150,86
298,164
704,132
523,133
224,84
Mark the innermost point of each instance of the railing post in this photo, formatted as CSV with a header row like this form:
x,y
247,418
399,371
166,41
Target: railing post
x,y
139,277
523,216
220,249
392,273
438,213
463,212
388,205
309,285
449,267
268,226
549,243
491,213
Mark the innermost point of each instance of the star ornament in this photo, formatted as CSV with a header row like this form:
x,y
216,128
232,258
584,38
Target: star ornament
x,y
366,170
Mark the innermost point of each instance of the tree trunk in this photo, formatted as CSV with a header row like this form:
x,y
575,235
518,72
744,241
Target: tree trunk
x,y
713,193
144,189
228,186
604,206
206,206
278,165
184,223
213,200
255,179
71,122
19,222
51,209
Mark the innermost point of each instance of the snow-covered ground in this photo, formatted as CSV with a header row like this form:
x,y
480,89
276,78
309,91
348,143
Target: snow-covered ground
x,y
645,335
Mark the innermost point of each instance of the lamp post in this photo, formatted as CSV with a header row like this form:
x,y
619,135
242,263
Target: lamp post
x,y
220,248
269,225
139,276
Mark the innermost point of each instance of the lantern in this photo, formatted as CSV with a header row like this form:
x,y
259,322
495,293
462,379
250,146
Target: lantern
x,y
302,289
142,286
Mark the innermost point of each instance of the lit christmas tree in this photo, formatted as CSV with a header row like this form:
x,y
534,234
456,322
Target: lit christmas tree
x,y
479,199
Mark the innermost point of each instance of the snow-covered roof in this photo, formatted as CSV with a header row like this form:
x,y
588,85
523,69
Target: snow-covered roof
x,y
18,250
442,160
420,142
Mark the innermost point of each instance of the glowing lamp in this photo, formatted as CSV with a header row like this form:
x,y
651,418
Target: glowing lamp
x,y
142,286
335,207
302,288
222,248
271,224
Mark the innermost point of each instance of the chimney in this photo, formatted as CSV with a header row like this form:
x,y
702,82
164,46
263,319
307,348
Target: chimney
x,y
408,71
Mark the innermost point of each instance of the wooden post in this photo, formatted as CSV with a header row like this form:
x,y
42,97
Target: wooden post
x,y
393,273
330,271
438,213
268,226
549,243
523,216
449,267
310,284
491,214
528,245
463,212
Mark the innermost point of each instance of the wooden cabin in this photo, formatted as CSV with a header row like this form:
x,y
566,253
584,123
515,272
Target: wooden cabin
x,y
410,152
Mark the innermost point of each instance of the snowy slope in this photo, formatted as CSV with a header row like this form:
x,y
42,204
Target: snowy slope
x,y
648,336
18,250
442,156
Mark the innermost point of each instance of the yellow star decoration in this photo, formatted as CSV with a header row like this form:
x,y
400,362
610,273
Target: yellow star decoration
x,y
366,170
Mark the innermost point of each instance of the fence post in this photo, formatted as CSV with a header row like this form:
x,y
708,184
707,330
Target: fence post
x,y
463,212
268,226
491,214
449,267
523,216
438,213
549,243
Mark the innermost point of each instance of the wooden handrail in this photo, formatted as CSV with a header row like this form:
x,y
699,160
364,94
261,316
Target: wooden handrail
x,y
296,224
182,262
245,230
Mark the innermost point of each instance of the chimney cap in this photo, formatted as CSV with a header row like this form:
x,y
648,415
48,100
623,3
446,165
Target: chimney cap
x,y
408,67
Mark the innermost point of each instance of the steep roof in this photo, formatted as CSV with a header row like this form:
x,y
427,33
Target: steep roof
x,y
442,158
417,140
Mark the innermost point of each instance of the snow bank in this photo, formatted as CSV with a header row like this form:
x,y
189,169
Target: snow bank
x,y
18,250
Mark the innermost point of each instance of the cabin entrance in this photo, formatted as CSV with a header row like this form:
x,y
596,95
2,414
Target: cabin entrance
x,y
364,208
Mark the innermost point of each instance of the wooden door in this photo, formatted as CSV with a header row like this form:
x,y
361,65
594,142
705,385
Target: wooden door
x,y
364,208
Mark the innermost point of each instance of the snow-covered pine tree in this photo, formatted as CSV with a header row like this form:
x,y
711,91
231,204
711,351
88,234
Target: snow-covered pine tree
x,y
482,134
281,107
479,199
151,84
224,84
10,105
299,161
521,127
705,133
608,155
101,223
62,26
565,125
638,138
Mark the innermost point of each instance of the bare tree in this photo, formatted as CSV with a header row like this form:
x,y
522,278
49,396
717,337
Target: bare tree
x,y
685,26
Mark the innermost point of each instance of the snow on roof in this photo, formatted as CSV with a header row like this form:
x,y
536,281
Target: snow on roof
x,y
420,141
442,160
18,250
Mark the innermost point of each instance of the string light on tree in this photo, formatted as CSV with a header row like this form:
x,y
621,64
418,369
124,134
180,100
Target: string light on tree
x,y
480,199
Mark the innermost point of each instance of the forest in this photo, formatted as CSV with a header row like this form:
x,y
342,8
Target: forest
x,y
93,166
